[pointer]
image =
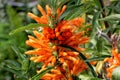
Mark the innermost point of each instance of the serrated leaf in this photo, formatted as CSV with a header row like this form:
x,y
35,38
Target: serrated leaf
x,y
111,17
116,74
29,26
39,75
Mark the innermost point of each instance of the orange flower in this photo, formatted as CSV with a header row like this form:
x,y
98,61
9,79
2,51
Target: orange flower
x,y
49,33
43,53
54,74
60,12
44,18
71,61
114,62
63,33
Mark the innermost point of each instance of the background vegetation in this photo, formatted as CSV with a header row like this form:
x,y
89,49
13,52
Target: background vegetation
x,y
103,17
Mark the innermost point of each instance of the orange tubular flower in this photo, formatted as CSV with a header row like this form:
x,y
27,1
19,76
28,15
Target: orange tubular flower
x,y
44,18
63,33
55,74
71,61
43,53
114,62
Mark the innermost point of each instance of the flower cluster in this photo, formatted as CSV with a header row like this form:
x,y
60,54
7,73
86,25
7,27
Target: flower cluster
x,y
62,33
114,62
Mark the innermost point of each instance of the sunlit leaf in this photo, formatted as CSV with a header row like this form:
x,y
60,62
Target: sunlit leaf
x,y
99,66
111,17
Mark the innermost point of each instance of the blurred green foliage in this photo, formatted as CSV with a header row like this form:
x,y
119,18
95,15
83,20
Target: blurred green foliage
x,y
15,65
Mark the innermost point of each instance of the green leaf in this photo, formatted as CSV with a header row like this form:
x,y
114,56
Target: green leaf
x,y
18,53
63,2
74,11
97,58
116,74
12,64
13,71
95,23
25,64
30,26
95,79
116,29
86,76
111,17
39,75
99,45
67,12
97,2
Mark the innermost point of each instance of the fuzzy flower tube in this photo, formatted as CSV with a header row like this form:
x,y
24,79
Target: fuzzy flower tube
x,y
47,43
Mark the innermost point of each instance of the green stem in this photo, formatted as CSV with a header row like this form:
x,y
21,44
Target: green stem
x,y
83,58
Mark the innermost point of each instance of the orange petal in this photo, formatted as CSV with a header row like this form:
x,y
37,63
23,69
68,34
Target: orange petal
x,y
48,9
36,18
61,12
41,10
63,9
58,11
70,78
37,34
